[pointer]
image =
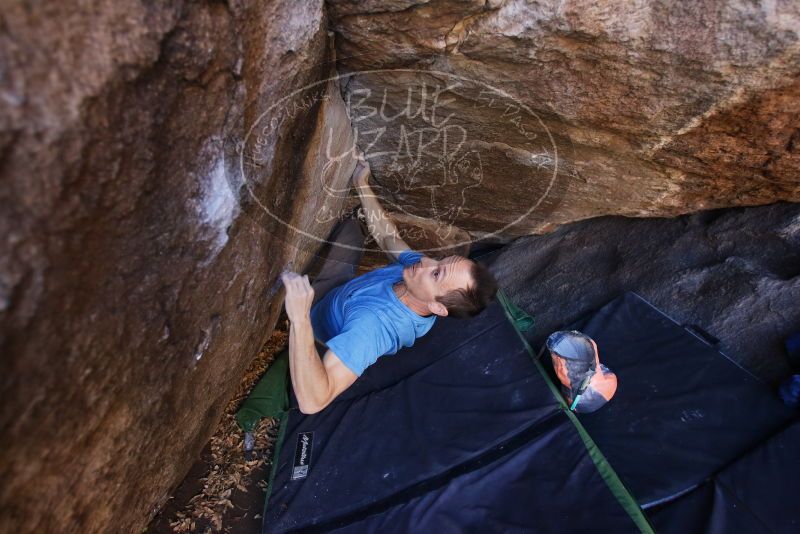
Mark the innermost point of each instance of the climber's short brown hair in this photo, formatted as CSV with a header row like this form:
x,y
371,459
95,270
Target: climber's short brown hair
x,y
469,302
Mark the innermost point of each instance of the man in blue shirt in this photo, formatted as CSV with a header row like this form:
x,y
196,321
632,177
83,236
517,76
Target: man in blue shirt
x,y
360,319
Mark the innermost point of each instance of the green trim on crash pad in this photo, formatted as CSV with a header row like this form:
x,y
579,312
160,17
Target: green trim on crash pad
x,y
612,480
522,321
270,397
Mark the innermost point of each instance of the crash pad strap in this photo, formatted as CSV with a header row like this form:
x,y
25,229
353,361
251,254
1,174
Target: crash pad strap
x,y
518,317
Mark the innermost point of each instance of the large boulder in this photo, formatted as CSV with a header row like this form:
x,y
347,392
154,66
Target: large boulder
x,y
162,163
508,117
150,184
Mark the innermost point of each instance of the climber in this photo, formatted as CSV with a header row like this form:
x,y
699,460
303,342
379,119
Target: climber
x,y
586,384
355,320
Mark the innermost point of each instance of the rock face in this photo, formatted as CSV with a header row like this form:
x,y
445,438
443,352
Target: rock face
x,y
508,117
162,163
149,182
735,273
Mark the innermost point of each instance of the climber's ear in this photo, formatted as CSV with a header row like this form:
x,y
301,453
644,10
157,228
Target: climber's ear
x,y
437,308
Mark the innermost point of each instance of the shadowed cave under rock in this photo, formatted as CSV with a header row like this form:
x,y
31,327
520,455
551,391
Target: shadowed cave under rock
x,y
162,165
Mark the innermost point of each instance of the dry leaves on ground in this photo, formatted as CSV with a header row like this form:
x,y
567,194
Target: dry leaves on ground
x,y
228,468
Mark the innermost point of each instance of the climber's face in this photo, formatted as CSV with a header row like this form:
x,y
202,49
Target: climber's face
x,y
430,278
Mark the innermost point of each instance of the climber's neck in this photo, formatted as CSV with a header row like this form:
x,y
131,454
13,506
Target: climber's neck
x,y
414,304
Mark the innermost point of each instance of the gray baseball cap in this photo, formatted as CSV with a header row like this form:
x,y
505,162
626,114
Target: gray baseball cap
x,y
571,345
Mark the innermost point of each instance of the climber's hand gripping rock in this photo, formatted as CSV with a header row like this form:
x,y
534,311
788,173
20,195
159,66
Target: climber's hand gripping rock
x,y
299,296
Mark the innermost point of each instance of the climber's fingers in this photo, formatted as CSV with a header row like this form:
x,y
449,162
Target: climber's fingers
x,y
361,174
296,283
299,295
359,154
288,277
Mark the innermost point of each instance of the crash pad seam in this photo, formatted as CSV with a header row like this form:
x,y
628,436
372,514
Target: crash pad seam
x,y
607,473
732,494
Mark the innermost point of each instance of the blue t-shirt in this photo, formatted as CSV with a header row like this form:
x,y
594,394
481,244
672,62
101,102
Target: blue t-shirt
x,y
363,319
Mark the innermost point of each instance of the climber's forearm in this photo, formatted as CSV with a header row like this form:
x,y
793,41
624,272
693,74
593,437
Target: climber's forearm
x,y
377,220
309,376
380,225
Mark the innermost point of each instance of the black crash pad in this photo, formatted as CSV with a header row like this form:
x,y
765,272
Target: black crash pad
x,y
682,410
548,484
758,493
458,433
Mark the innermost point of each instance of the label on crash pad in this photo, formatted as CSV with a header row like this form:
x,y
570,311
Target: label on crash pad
x,y
302,455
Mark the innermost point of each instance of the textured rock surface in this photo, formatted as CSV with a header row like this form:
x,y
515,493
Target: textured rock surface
x,y
735,273
646,108
157,163
137,262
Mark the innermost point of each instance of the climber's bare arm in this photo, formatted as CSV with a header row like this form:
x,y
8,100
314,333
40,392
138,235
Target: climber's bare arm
x,y
316,381
380,225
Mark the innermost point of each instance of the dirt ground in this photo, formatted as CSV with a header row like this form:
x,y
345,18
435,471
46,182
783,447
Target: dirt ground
x,y
223,492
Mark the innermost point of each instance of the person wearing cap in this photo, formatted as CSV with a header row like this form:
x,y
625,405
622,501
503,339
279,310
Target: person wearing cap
x,y
586,383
